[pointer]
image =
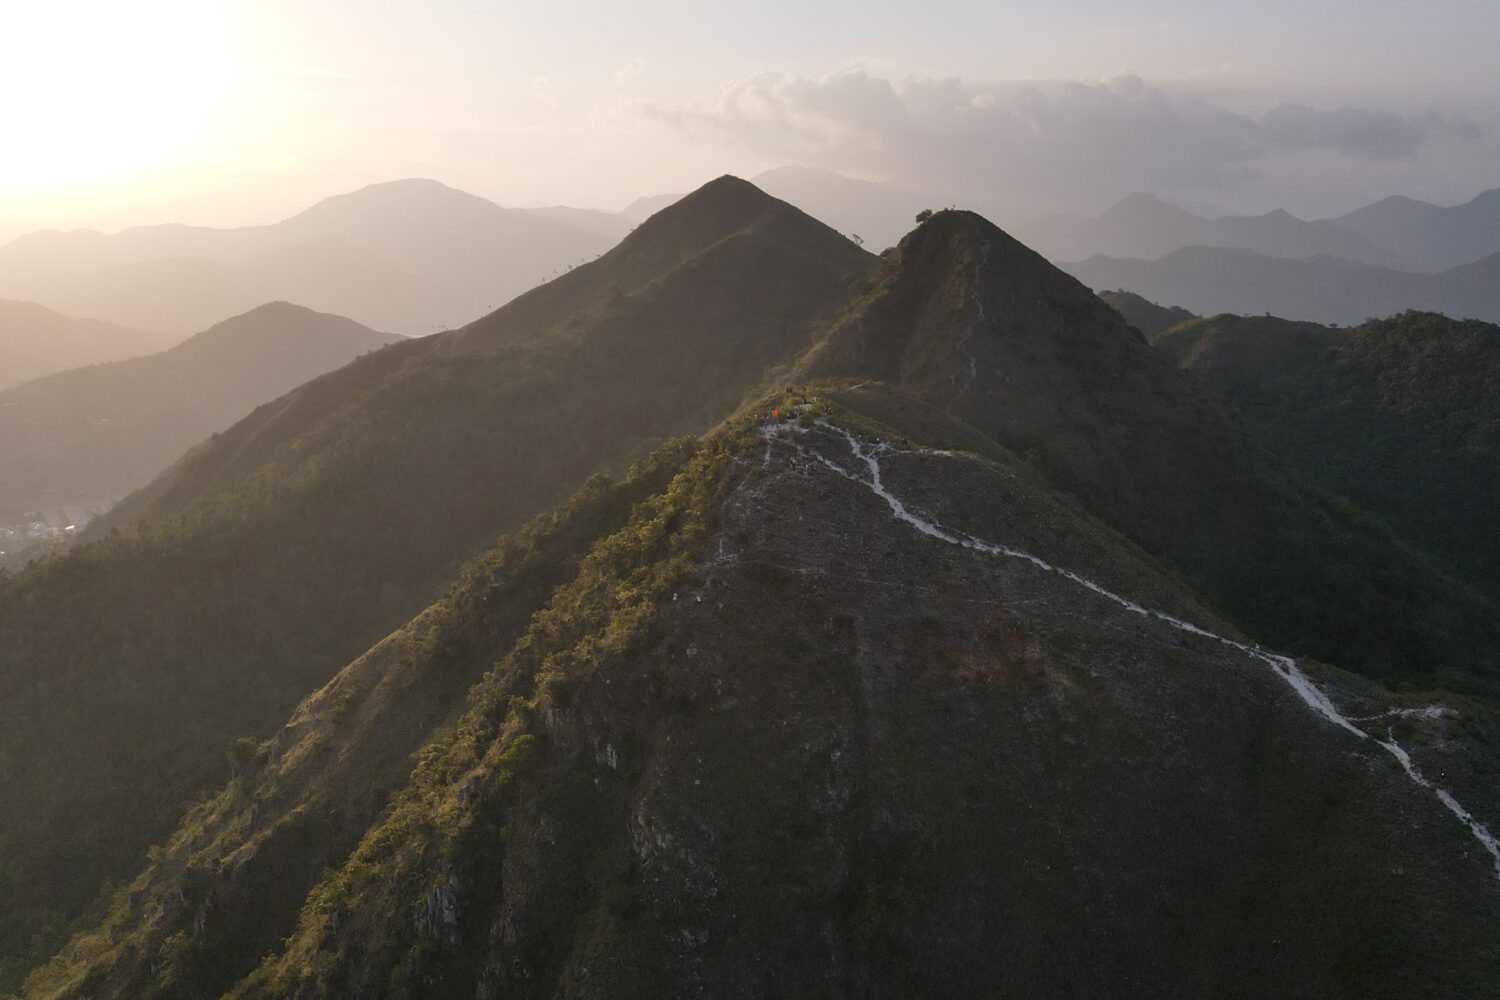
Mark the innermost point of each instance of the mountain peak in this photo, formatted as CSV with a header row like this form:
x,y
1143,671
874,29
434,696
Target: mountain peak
x,y
1144,203
279,311
725,206
281,326
964,237
757,234
1487,198
726,197
373,204
1140,198
947,309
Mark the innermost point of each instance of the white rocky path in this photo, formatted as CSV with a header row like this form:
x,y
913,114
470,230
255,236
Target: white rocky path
x,y
1284,666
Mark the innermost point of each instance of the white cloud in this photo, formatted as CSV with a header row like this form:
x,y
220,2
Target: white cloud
x,y
631,71
1359,132
541,89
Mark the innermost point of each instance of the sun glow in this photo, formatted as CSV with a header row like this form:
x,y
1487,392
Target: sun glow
x,y
93,90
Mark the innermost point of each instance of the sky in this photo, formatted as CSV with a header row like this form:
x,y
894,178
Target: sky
x,y
230,112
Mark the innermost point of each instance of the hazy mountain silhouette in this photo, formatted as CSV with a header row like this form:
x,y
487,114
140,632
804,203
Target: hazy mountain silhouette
x,y
609,224
647,205
408,256
870,697
1145,226
103,431
1212,280
1432,237
36,341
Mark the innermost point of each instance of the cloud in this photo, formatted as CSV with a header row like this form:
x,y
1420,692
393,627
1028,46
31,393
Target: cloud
x,y
1359,132
1066,142
541,89
633,70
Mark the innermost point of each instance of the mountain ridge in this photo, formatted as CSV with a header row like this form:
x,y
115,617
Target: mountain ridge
x,y
1110,421
555,801
1441,237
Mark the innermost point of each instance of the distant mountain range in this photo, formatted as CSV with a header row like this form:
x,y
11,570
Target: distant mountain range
x,y
36,341
1396,233
1213,280
1146,226
1434,237
408,256
94,433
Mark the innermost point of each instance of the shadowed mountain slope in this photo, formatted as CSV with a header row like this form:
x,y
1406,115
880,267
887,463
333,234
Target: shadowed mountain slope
x,y
93,433
1400,415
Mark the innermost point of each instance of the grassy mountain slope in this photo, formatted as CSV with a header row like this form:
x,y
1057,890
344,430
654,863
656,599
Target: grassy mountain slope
x,y
35,341
971,320
1143,314
1401,415
279,550
1246,343
771,740
106,430
299,803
